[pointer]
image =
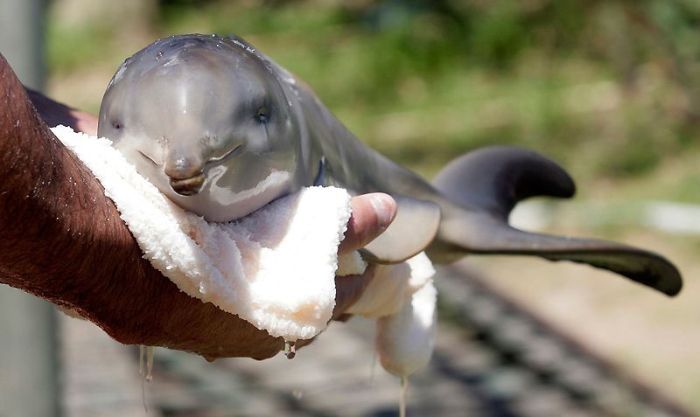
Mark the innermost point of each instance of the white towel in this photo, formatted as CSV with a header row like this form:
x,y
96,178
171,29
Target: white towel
x,y
274,268
254,267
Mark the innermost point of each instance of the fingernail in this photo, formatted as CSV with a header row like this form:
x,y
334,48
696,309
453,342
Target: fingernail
x,y
384,207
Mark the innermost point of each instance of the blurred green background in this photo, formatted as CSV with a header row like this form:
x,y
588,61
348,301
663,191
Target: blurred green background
x,y
610,89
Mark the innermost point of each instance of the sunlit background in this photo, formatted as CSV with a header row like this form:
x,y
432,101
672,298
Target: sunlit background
x,y
610,89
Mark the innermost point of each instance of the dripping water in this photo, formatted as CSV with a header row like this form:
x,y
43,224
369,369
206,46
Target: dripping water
x,y
149,363
402,396
290,350
145,370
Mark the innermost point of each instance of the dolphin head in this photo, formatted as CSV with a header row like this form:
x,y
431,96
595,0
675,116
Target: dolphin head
x,y
207,121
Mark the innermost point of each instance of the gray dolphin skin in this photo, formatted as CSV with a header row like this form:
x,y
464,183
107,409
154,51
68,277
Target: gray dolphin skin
x,y
222,130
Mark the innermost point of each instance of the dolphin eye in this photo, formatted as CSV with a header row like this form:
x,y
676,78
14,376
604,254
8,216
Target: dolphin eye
x,y
262,115
117,124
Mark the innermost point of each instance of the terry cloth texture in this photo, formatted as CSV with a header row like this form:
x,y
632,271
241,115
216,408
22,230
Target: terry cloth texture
x,y
274,268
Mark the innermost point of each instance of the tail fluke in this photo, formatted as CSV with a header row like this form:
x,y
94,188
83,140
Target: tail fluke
x,y
486,184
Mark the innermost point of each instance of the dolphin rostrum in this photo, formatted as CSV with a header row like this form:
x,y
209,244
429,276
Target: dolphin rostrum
x,y
222,130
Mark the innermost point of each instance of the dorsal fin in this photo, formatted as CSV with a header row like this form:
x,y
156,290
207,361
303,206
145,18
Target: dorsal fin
x,y
496,178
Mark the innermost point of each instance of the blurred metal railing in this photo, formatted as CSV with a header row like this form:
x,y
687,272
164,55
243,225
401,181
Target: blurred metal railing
x,y
493,358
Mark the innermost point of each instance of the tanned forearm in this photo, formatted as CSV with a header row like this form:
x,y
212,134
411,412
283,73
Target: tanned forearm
x,y
63,240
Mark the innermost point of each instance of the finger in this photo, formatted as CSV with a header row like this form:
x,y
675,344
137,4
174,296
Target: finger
x,y
54,113
85,122
371,215
349,289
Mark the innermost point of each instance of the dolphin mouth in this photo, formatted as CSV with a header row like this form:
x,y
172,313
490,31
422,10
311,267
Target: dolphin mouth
x,y
188,186
232,152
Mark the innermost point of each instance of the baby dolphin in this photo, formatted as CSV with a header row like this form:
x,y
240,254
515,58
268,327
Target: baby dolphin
x,y
222,130
208,123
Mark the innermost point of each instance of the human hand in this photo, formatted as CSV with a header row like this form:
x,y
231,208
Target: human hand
x,y
371,215
54,113
63,240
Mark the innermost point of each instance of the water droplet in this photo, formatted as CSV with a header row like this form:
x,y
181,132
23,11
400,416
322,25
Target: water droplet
x,y
142,353
403,396
146,357
147,353
290,350
149,363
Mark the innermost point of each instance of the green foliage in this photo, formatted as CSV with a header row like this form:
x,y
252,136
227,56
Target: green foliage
x,y
610,89
70,48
